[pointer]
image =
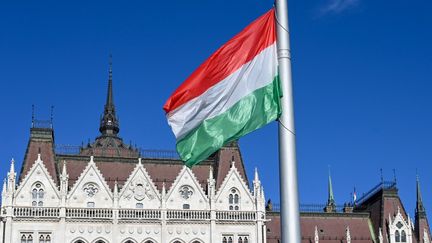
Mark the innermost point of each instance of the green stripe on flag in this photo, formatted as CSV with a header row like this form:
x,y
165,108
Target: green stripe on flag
x,y
250,113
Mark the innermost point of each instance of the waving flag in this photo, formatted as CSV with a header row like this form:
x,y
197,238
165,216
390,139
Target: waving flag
x,y
234,92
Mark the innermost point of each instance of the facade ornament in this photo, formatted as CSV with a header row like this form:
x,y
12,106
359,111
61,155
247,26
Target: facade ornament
x,y
91,189
186,192
138,191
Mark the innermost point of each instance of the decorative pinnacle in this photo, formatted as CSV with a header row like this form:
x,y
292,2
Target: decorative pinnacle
x,y
116,192
256,177
12,167
64,171
211,173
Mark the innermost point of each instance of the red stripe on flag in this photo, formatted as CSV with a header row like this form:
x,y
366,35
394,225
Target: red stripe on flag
x,y
241,49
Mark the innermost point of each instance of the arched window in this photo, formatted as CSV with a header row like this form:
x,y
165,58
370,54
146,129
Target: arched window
x,y
100,241
240,240
403,236
230,239
23,239
37,195
47,239
30,239
79,241
246,240
176,241
397,236
149,241
224,240
41,239
234,199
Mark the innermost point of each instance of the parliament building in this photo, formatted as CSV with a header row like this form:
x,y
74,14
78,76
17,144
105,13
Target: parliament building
x,y
108,191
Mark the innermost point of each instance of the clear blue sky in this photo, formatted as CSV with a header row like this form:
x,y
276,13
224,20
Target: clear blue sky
x,y
362,81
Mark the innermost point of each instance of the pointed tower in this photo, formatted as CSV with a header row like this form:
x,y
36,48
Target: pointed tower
x,y
108,143
421,223
331,204
109,125
420,210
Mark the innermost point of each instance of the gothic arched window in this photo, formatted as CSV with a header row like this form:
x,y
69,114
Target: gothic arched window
x,y
234,199
403,236
37,195
397,236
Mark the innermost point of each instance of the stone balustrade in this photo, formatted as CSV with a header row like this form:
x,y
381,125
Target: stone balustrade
x,y
127,214
36,212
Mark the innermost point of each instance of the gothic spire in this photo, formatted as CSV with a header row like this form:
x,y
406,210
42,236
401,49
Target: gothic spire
x,y
109,125
420,210
331,200
331,204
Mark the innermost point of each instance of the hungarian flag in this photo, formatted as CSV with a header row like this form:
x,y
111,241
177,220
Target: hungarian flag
x,y
234,92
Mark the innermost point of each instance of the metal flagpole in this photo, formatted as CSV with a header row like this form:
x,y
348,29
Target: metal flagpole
x,y
290,215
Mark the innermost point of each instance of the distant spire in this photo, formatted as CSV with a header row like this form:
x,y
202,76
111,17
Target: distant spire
x,y
109,125
331,204
331,200
420,210
110,100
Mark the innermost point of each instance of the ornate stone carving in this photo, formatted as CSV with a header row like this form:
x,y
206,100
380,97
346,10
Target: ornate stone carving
x,y
90,189
186,192
139,190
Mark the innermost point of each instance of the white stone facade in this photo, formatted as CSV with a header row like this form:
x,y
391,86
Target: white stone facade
x,y
39,211
400,230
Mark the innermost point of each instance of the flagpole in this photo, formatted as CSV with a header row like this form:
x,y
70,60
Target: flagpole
x,y
290,215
